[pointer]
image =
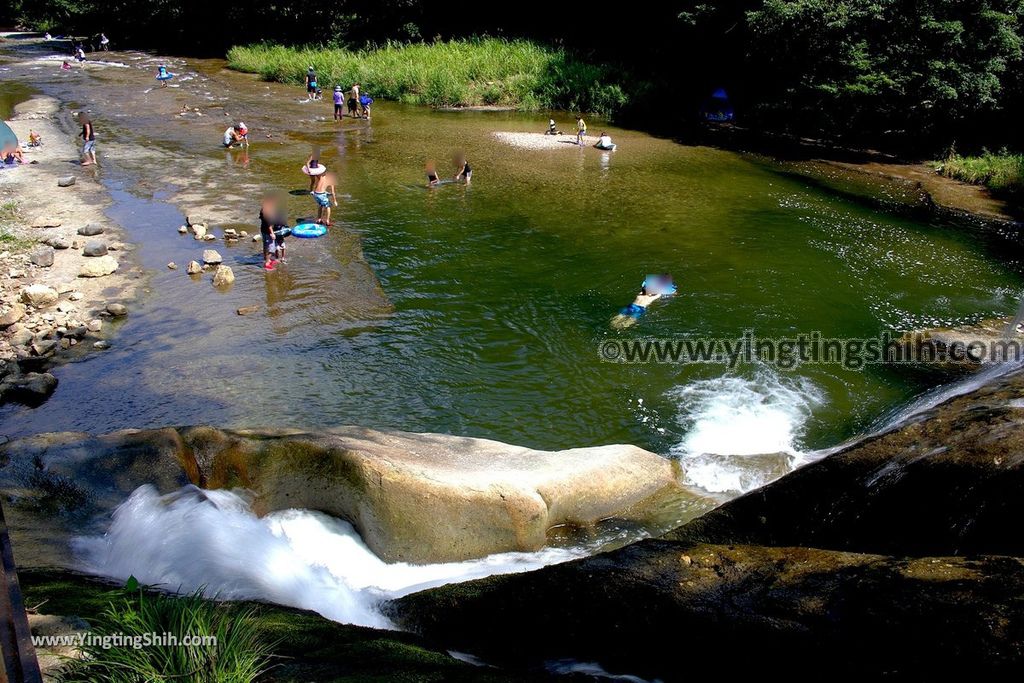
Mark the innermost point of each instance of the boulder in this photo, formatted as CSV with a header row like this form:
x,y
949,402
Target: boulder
x,y
22,337
15,312
44,347
91,230
42,256
117,310
198,231
212,257
761,612
98,267
66,181
223,276
31,389
39,296
59,242
937,485
413,497
94,248
194,268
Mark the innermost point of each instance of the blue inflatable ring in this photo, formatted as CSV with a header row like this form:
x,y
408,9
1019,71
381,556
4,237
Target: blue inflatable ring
x,y
309,230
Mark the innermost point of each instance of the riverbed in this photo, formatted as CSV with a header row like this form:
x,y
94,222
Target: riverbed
x,y
480,310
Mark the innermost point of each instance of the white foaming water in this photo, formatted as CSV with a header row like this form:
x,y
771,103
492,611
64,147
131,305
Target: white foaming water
x,y
196,539
741,433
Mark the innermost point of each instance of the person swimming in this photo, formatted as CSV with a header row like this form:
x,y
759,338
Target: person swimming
x,y
650,291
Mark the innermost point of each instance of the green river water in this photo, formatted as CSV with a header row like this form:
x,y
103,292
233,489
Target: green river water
x,y
493,299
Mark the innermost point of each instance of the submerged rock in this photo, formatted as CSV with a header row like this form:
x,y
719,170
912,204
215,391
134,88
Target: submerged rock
x,y
212,257
413,497
31,389
194,268
223,276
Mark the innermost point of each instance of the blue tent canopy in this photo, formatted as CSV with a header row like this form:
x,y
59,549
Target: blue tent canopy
x,y
7,136
717,107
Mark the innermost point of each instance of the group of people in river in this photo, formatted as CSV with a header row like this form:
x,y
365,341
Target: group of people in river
x,y
358,102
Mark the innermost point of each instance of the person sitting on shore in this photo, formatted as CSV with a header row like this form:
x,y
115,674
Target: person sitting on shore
x,y
432,179
605,142
323,193
12,154
34,139
463,170
552,128
236,135
272,219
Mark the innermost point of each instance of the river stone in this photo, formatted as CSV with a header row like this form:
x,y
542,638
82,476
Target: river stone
x,y
94,325
199,231
32,388
117,310
247,310
39,296
13,314
66,181
194,268
182,229
94,248
42,256
22,337
98,267
212,257
91,230
59,242
44,347
223,276
413,497
172,266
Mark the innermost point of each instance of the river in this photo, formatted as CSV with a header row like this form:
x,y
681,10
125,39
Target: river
x,y
480,310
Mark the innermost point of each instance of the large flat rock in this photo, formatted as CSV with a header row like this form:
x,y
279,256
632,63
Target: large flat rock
x,y
413,497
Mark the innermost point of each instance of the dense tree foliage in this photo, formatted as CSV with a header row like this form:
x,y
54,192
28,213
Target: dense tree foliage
x,y
911,73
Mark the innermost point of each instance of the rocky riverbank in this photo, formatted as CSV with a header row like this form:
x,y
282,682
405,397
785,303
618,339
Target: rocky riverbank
x,y
65,272
896,556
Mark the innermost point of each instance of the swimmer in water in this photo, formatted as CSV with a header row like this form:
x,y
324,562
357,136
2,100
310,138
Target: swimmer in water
x,y
649,293
432,179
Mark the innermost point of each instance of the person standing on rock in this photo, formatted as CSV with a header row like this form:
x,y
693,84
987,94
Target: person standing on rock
x,y
88,135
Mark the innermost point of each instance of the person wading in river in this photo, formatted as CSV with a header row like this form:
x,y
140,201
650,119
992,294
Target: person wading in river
x,y
88,135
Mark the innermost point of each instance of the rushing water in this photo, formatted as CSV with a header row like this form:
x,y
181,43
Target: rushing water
x,y
495,297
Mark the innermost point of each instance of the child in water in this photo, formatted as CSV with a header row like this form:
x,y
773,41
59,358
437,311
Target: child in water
x,y
649,293
65,66
163,75
581,131
432,179
323,193
272,219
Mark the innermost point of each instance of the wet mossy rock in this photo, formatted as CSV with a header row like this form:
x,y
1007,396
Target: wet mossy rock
x,y
412,497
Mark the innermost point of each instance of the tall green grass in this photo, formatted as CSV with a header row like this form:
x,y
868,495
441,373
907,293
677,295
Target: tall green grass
x,y
456,73
240,653
1002,172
